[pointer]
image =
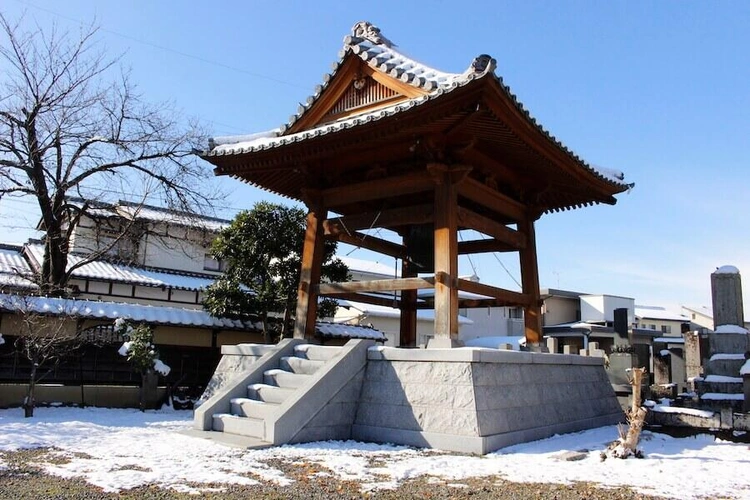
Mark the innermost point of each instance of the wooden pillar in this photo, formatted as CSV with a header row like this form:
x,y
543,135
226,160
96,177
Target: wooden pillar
x,y
446,255
408,326
530,282
312,261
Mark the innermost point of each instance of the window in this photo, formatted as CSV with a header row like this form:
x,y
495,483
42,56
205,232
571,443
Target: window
x,y
666,329
211,264
515,313
693,316
653,327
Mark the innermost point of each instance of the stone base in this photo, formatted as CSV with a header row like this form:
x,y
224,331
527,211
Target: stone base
x,y
475,400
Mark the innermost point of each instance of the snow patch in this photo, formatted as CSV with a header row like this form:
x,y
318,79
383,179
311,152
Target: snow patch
x,y
727,356
119,450
683,411
730,329
161,368
496,342
722,378
745,370
718,396
727,270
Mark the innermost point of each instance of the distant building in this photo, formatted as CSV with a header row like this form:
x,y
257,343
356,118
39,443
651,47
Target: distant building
x,y
660,319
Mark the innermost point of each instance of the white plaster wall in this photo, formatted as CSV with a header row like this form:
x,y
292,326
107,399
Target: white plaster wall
x,y
490,322
558,310
601,307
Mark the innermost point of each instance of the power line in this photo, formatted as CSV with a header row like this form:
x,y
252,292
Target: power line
x,y
169,49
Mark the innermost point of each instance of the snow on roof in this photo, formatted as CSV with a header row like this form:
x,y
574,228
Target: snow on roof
x,y
658,313
113,310
392,312
158,214
727,270
610,174
141,211
730,329
381,54
108,271
369,267
13,268
342,330
704,310
670,340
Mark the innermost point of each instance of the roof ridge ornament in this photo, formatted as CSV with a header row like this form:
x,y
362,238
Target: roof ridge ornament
x,y
483,63
368,31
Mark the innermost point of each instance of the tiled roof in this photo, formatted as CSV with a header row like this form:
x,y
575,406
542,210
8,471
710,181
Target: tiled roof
x,y
140,211
112,310
371,46
13,268
109,271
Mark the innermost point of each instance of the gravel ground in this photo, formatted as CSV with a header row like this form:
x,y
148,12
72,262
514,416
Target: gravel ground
x,y
23,479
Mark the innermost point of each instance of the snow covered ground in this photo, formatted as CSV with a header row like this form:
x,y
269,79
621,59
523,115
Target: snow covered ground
x,y
122,449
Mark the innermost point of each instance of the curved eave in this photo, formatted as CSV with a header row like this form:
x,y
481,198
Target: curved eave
x,y
278,157
532,132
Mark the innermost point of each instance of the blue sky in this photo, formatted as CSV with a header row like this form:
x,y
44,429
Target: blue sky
x,y
659,90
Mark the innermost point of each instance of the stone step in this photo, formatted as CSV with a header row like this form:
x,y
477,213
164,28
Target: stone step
x,y
316,352
300,365
242,426
717,401
285,379
718,384
269,393
725,364
728,342
246,407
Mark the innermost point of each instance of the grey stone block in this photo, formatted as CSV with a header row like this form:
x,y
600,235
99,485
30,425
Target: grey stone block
x,y
328,433
255,350
390,393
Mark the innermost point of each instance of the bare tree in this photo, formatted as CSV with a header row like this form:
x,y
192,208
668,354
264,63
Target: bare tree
x,y
69,128
45,337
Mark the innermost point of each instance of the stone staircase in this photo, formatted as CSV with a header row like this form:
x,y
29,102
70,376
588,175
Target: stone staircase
x,y
294,392
250,415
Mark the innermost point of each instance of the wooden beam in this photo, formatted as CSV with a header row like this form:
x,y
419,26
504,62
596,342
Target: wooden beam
x,y
507,296
378,189
405,216
312,260
366,241
485,196
530,283
428,303
408,317
485,225
484,246
446,254
374,286
369,299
